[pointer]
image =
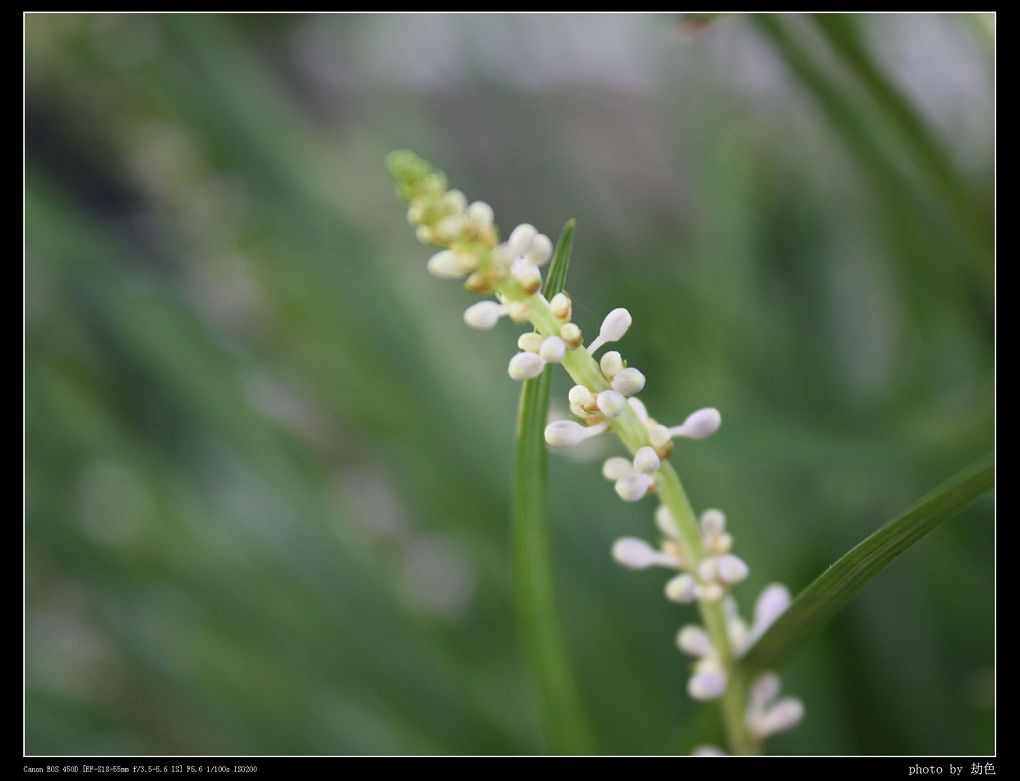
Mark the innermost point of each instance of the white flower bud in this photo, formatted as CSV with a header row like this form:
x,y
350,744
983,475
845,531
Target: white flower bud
x,y
525,366
449,228
711,592
708,570
628,381
567,433
571,335
736,628
579,395
540,251
613,328
732,569
521,238
708,751
635,553
722,544
764,690
480,213
561,307
646,460
659,436
415,214
708,685
694,640
771,604
610,364
553,349
518,311
634,487
530,342
503,255
451,265
484,315
616,467
637,405
454,201
527,274
784,715
713,522
665,522
611,403
699,424
424,234
682,589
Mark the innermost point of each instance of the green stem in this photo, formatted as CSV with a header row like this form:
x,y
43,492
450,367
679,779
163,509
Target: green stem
x,y
584,370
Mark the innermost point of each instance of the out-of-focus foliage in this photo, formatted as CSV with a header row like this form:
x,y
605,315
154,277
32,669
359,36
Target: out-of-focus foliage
x,y
269,470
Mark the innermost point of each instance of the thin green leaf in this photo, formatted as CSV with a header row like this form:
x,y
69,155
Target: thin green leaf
x,y
563,716
835,587
843,34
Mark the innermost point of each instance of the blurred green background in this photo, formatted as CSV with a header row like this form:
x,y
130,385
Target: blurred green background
x,y
268,468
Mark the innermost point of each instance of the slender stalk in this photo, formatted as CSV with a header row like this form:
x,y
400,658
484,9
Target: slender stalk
x,y
584,370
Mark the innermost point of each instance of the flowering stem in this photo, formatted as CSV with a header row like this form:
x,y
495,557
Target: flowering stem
x,y
584,370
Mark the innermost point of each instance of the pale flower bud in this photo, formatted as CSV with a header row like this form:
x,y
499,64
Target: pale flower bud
x,y
700,424
616,467
708,570
540,251
638,406
682,589
530,341
484,315
634,487
451,265
711,592
708,751
580,396
665,522
567,433
764,691
707,685
480,213
611,403
628,381
527,275
713,522
732,569
635,553
613,328
659,436
646,460
553,349
571,335
610,364
454,201
771,604
561,307
784,715
521,238
525,366
694,640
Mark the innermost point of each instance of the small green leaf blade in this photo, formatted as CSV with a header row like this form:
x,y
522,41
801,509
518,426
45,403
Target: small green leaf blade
x,y
831,591
564,720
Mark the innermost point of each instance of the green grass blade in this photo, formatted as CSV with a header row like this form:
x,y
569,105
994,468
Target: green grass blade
x,y
843,34
835,587
563,716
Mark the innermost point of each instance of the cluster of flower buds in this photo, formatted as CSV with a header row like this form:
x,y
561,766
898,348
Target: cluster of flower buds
x,y
604,398
710,580
767,714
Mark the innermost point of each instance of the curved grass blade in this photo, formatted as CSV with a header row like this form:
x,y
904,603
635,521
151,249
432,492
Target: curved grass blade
x,y
843,34
835,587
563,717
